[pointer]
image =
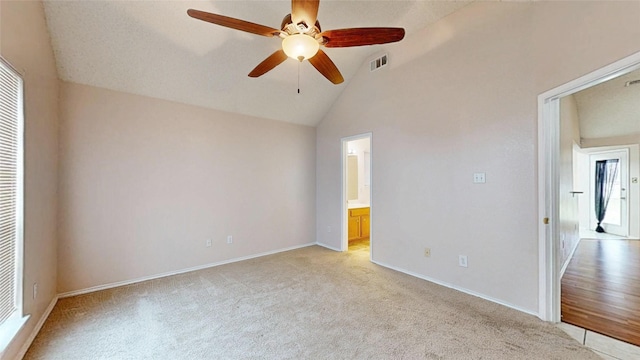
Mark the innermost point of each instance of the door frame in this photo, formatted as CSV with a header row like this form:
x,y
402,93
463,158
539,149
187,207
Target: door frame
x,y
624,178
548,180
345,210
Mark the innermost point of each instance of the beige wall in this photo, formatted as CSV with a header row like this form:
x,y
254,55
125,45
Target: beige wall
x,y
568,214
24,42
460,97
144,183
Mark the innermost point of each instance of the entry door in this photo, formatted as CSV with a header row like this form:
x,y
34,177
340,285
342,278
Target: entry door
x,y
616,220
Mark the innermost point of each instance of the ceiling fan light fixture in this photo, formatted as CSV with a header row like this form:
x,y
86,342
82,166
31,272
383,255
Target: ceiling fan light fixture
x,y
300,47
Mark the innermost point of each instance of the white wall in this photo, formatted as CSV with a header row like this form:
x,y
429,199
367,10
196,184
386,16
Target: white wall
x,y
460,97
568,215
144,183
584,185
24,42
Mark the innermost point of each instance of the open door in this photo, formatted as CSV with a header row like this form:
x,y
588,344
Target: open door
x,y
616,219
356,191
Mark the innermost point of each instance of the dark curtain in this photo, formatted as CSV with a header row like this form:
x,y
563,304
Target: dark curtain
x,y
606,171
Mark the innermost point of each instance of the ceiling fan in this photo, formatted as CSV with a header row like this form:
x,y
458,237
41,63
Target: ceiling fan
x,y
302,37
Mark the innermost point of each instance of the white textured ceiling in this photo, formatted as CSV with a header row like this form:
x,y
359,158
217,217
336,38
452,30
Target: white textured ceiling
x,y
610,109
153,48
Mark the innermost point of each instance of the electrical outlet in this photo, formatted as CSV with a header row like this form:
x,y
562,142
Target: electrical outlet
x,y
208,243
427,252
328,229
479,178
229,239
35,290
462,260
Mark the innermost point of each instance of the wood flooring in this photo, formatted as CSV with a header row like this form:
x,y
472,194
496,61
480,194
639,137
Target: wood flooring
x,y
601,288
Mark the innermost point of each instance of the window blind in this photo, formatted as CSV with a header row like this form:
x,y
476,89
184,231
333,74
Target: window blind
x,y
10,167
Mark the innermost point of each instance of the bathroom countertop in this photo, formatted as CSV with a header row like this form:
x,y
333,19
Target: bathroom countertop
x,y
357,206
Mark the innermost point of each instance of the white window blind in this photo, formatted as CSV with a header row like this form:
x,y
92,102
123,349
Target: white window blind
x,y
10,189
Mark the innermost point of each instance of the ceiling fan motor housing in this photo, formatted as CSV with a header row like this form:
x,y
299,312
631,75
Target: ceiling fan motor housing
x,y
302,28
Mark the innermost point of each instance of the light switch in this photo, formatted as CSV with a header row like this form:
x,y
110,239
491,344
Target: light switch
x,y
479,178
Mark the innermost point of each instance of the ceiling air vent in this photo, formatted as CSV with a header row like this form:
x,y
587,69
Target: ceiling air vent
x,y
379,62
627,84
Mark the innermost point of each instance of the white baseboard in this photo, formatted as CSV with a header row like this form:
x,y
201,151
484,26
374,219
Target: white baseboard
x,y
36,329
176,272
566,262
454,287
328,247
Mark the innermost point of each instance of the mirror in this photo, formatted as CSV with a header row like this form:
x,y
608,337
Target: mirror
x,y
352,177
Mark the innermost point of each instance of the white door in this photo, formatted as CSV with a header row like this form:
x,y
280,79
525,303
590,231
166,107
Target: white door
x,y
616,220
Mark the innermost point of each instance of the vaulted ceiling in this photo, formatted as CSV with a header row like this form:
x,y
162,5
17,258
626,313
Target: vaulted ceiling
x,y
610,109
153,48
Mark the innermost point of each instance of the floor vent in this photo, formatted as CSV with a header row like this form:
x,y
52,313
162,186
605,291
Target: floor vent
x,y
379,62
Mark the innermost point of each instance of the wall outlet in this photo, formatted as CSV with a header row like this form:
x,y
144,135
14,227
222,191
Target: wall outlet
x,y
328,229
35,290
229,239
427,252
462,260
208,243
479,178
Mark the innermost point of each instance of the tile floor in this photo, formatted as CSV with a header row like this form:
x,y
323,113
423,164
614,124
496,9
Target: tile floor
x,y
608,348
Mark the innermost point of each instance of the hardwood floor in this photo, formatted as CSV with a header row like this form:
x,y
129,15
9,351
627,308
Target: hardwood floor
x,y
601,288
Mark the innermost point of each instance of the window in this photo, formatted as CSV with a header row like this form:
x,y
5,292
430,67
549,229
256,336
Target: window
x,y
11,197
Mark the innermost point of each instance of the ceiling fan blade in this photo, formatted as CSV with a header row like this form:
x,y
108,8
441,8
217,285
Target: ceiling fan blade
x,y
233,23
326,67
269,63
305,10
361,36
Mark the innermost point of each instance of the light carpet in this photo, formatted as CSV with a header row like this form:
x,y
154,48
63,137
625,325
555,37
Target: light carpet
x,y
310,303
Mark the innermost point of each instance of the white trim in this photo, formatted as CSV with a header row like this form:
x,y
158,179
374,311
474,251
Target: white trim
x,y
625,152
566,263
37,328
457,288
10,328
6,62
548,145
176,272
329,247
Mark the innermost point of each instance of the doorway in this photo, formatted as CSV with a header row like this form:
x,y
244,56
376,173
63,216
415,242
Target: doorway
x,y
356,194
616,214
550,228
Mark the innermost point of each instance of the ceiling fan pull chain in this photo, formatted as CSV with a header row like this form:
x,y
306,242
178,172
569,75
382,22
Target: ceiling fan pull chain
x,y
298,77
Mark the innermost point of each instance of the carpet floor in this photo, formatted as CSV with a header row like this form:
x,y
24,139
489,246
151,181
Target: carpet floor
x,y
310,303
